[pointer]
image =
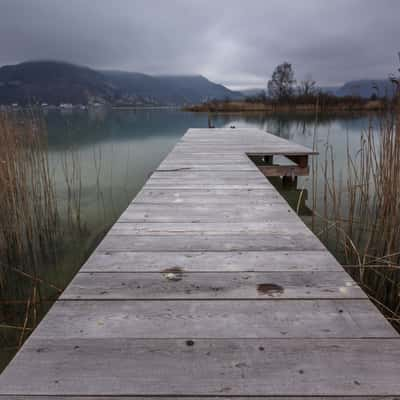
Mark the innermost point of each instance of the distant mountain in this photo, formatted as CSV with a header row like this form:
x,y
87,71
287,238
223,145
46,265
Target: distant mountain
x,y
367,87
168,89
196,88
55,82
252,92
364,88
51,82
329,89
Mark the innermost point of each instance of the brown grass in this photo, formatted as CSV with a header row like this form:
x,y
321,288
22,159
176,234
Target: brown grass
x,y
32,232
28,221
270,107
361,215
28,218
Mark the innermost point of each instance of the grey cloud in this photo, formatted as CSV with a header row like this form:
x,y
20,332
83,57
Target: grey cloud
x,y
237,43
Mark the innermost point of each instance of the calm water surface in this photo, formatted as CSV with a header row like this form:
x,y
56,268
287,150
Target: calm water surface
x,y
117,151
114,152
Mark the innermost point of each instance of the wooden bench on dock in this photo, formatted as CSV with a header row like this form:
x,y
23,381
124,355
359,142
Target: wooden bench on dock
x,y
210,286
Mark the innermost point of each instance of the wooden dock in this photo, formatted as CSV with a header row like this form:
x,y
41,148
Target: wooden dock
x,y
209,286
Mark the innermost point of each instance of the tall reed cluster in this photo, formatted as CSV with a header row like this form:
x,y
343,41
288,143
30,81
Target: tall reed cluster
x,y
28,217
361,213
43,237
28,221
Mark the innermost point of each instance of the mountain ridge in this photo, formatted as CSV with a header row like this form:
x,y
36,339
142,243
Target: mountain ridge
x,y
364,88
56,82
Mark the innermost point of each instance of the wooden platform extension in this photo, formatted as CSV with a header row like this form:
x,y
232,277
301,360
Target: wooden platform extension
x,y
210,286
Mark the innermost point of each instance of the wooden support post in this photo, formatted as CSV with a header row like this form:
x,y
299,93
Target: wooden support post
x,y
289,181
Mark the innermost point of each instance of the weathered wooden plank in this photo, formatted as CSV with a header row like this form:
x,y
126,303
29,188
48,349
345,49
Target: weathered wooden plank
x,y
253,175
214,320
215,157
232,144
244,135
210,155
265,193
209,228
229,142
186,166
240,367
27,397
100,397
222,242
243,138
224,196
205,185
207,213
175,283
235,152
245,261
268,208
239,145
256,180
249,149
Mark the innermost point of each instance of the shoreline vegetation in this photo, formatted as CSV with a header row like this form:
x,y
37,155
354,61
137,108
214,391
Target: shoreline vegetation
x,y
37,228
360,218
285,94
318,104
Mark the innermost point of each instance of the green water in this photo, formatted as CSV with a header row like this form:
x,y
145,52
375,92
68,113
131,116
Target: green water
x,y
116,151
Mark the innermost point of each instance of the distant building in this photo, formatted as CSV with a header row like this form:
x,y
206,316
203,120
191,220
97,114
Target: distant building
x,y
67,106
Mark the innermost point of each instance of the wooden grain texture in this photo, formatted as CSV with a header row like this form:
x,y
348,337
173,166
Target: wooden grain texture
x,y
27,397
210,196
206,213
211,228
217,397
238,367
209,166
245,261
214,319
204,184
208,177
213,285
210,286
222,242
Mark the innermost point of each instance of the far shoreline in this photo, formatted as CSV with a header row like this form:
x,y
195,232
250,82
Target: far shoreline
x,y
270,108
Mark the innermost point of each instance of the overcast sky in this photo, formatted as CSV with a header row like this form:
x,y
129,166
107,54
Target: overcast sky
x,y
235,42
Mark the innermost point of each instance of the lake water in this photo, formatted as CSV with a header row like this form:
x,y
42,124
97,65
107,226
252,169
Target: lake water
x,y
116,151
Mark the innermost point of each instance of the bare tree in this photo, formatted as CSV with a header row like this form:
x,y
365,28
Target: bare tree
x,y
307,86
281,84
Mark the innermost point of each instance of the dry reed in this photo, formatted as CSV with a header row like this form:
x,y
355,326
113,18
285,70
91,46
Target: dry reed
x,y
28,221
361,216
28,218
33,230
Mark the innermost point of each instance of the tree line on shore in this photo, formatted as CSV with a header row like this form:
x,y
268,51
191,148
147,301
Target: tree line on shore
x,y
283,88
